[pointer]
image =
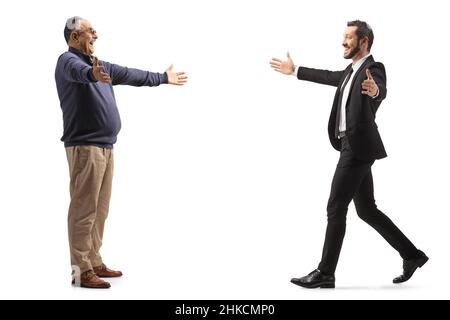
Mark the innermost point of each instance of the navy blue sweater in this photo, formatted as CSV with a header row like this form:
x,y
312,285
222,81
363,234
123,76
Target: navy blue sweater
x,y
89,107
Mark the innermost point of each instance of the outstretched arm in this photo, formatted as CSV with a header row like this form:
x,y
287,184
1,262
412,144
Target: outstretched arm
x,y
287,67
330,78
75,70
138,78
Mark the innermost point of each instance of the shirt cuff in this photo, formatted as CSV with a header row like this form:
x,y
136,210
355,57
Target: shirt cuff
x,y
378,93
295,70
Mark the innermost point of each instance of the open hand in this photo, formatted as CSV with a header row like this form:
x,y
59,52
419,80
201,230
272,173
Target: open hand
x,y
285,67
176,78
99,72
369,85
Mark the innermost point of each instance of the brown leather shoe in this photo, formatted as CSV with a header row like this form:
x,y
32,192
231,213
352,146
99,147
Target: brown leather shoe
x,y
89,279
103,272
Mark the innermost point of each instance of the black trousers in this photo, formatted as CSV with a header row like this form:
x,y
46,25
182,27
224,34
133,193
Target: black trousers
x,y
353,180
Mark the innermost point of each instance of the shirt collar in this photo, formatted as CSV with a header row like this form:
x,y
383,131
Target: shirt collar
x,y
85,57
360,62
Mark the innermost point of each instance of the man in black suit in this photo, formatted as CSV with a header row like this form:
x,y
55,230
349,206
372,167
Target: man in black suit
x,y
361,88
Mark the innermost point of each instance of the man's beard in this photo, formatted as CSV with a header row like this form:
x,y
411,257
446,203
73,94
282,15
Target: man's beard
x,y
353,53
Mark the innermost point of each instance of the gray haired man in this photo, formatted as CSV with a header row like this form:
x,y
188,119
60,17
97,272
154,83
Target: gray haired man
x,y
91,124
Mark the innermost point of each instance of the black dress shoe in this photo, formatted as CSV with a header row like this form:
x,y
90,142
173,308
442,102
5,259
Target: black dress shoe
x,y
315,279
410,266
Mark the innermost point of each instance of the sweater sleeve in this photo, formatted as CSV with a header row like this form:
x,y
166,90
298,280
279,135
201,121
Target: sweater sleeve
x,y
75,70
134,77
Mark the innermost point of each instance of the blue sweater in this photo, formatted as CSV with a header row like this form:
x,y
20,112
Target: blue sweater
x,y
89,107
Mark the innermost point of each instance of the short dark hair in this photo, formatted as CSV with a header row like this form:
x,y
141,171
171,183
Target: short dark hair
x,y
363,30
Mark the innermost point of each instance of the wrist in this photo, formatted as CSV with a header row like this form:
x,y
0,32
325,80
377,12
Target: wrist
x,y
165,78
294,70
91,75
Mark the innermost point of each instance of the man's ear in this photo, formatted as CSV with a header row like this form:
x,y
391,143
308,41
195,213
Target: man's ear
x,y
74,36
365,41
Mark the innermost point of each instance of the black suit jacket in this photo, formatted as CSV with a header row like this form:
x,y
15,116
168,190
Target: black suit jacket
x,y
362,131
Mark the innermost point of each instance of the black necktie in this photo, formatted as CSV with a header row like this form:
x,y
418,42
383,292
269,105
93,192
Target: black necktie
x,y
339,106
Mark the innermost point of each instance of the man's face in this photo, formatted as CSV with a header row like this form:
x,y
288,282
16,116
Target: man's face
x,y
86,38
351,43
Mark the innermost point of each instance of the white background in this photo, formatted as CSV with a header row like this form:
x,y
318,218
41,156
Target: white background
x,y
221,186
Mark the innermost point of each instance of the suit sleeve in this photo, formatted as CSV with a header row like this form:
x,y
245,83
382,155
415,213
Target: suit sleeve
x,y
379,76
134,77
330,78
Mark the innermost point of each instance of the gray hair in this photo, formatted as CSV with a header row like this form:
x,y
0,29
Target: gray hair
x,y
72,24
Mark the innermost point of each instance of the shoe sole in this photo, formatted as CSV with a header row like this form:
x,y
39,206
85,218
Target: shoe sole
x,y
87,287
84,286
321,285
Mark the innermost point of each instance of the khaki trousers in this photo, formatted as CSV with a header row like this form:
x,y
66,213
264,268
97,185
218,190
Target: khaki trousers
x,y
91,172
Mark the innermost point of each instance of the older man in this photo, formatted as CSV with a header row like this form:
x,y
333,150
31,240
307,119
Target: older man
x,y
91,124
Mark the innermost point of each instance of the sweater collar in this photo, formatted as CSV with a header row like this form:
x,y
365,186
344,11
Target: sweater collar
x,y
85,57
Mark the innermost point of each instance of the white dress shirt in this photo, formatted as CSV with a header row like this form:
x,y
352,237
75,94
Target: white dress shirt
x,y
345,94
